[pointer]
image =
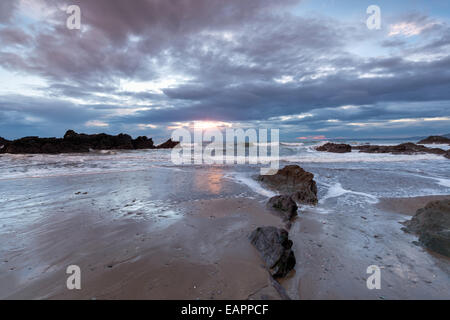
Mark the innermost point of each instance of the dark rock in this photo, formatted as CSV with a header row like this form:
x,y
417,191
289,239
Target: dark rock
x,y
169,144
335,147
432,225
143,143
3,142
284,206
41,145
435,139
76,142
275,248
404,148
99,141
295,181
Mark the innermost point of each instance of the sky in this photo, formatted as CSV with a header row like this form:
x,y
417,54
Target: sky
x,y
310,68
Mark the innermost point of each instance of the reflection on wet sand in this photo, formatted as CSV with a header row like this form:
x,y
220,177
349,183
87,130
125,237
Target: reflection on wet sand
x,y
209,180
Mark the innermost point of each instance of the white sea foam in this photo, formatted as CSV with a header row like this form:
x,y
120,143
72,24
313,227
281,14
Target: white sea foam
x,y
440,146
445,182
266,144
336,190
251,183
292,144
354,156
20,166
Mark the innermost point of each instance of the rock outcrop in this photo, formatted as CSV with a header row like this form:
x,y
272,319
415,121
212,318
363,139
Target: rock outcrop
x,y
294,181
435,139
73,142
274,247
335,147
432,225
169,144
99,141
3,141
284,206
404,148
143,142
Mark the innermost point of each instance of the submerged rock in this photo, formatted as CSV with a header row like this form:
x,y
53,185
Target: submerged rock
x,y
435,139
275,248
284,206
295,181
432,225
335,147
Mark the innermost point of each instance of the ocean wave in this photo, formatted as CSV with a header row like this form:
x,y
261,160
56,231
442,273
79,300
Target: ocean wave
x,y
292,144
323,157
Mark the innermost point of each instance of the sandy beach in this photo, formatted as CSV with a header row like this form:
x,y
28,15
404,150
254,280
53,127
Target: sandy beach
x,y
166,233
195,249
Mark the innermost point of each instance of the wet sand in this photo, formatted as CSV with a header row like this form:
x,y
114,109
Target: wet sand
x,y
334,249
407,206
168,234
196,249
204,255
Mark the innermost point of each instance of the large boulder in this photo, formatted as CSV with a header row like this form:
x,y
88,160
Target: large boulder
x,y
435,139
294,181
432,225
169,144
335,147
284,206
274,247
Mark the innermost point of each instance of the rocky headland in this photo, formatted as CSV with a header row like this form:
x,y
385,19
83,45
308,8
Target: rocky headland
x,y
73,142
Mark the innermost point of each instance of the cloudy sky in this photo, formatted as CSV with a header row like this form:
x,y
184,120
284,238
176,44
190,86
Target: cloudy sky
x,y
145,67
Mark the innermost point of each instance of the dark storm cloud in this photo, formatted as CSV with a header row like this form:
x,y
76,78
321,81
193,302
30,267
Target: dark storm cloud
x,y
7,8
413,82
11,36
55,110
239,60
